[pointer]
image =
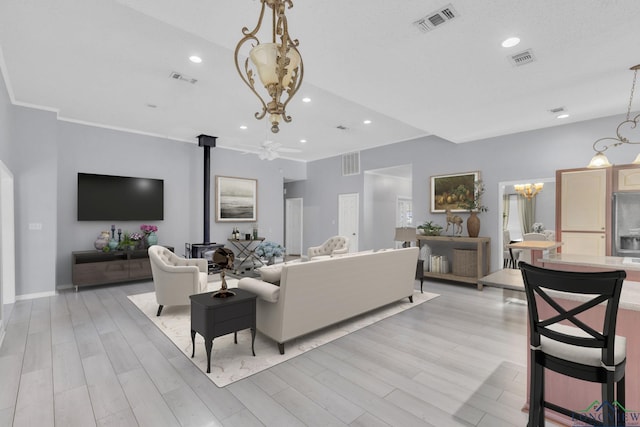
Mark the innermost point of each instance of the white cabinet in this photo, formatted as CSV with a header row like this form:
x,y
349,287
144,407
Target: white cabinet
x,y
627,178
584,243
584,200
584,211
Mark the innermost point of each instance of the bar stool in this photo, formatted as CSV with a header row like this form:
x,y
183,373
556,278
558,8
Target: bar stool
x,y
580,351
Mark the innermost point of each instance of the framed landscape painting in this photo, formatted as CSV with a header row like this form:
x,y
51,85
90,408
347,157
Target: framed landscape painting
x,y
446,191
236,199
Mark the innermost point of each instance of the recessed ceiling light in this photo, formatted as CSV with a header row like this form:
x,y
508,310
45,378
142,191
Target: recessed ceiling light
x,y
303,141
195,59
562,116
243,127
511,42
306,99
367,122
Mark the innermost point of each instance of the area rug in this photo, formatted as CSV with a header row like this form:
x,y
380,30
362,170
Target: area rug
x,y
232,362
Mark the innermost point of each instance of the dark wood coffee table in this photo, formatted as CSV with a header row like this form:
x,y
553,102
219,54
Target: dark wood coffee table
x,y
214,317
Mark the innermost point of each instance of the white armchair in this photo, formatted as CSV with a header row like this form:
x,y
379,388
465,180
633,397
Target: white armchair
x,y
335,245
175,278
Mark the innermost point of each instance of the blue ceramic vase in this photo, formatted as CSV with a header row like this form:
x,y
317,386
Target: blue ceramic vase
x,y
152,239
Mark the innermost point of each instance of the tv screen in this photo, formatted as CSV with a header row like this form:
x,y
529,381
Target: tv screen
x,y
106,197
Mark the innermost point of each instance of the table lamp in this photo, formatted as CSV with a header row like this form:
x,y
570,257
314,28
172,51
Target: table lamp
x,y
405,235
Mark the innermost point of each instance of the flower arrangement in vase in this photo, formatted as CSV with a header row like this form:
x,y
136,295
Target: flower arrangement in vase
x,y
537,227
137,238
269,250
150,234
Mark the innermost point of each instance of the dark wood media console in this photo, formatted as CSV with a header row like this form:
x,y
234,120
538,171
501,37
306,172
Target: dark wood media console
x,y
101,268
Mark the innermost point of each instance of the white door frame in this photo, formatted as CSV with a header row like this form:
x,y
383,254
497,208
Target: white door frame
x,y
7,244
7,236
352,235
293,206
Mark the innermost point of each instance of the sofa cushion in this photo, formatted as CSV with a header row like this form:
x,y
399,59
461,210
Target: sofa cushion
x,y
265,291
271,273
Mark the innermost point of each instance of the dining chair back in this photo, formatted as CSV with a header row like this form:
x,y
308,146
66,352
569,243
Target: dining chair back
x,y
571,342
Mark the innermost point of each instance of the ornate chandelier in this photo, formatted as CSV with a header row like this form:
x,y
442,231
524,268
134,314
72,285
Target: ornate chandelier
x,y
528,190
599,160
278,63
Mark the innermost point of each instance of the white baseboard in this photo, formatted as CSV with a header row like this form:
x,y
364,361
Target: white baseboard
x,y
36,295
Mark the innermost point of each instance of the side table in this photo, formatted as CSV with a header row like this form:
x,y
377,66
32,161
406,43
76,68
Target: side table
x,y
214,317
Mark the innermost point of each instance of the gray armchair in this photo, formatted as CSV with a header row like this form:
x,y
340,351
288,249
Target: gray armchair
x,y
175,278
335,245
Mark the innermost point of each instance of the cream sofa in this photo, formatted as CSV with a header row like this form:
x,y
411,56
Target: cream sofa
x,y
316,294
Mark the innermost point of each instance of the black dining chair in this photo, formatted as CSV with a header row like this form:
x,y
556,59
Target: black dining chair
x,y
586,352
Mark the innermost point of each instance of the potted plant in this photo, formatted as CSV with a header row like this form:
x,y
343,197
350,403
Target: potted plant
x,y
127,243
473,204
430,229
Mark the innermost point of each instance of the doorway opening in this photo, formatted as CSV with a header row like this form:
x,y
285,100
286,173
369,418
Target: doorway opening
x,y
293,226
388,204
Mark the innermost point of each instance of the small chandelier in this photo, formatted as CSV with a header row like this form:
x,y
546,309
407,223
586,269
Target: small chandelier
x,y
278,63
528,190
599,160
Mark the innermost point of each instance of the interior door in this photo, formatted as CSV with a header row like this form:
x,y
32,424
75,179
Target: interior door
x,y
348,214
293,226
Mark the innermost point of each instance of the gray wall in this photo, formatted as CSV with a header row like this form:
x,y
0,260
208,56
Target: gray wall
x,y
46,154
180,165
537,153
35,172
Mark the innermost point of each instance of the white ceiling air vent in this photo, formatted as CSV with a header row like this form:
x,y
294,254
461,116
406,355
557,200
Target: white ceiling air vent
x,y
351,163
177,76
522,58
436,18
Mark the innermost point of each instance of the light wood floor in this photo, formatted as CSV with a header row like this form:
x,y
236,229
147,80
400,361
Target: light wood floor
x,y
91,358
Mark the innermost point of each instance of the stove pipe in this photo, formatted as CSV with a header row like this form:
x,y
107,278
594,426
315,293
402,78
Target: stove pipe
x,y
207,142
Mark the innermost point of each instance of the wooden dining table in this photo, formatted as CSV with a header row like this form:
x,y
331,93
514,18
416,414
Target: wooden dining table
x,y
535,248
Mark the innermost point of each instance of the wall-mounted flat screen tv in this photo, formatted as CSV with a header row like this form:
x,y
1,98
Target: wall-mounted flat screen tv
x,y
106,198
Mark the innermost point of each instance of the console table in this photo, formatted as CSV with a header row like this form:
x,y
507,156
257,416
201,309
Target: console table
x,y
246,251
101,268
483,257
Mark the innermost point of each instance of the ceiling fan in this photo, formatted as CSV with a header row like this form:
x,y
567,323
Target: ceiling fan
x,y
270,150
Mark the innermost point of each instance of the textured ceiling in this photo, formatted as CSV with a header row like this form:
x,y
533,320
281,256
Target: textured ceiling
x,y
104,62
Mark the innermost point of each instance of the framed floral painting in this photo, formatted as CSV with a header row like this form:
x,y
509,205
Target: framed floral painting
x,y
236,199
447,191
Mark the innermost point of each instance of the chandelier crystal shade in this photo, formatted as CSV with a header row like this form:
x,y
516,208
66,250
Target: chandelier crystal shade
x,y
277,63
528,190
600,160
